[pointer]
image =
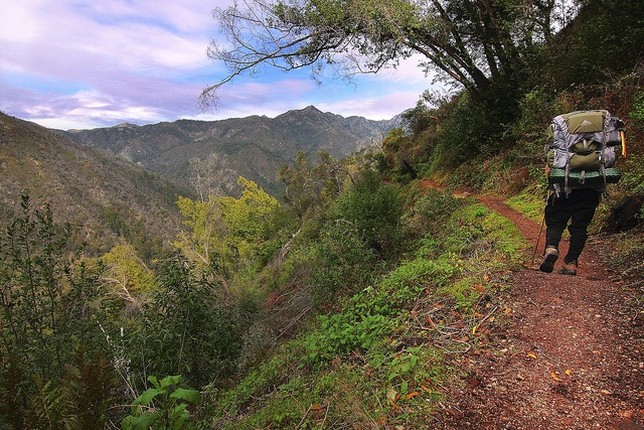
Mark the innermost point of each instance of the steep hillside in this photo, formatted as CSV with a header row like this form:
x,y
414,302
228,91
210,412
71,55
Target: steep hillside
x,y
212,154
105,196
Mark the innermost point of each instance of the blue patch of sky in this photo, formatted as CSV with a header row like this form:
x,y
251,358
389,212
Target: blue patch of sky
x,y
199,75
43,85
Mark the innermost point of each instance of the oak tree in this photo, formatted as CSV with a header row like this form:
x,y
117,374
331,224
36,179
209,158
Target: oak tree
x,y
471,43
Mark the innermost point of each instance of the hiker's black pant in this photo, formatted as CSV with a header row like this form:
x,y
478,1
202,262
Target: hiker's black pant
x,y
578,208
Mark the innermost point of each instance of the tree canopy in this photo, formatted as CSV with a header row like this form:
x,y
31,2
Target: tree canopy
x,y
471,43
224,233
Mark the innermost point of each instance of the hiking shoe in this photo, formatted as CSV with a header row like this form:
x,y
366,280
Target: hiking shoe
x,y
569,268
548,263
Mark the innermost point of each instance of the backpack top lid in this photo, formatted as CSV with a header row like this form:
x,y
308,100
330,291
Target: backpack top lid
x,y
591,121
588,125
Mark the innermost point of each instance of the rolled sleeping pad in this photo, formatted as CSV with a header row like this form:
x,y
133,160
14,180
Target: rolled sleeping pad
x,y
584,179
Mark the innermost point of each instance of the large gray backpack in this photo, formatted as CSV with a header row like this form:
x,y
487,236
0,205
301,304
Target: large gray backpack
x,y
582,152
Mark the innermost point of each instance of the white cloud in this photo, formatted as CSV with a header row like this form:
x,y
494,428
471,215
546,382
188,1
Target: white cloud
x,y
378,108
17,23
67,123
407,71
98,63
67,37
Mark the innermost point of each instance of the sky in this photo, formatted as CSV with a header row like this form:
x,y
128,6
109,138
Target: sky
x,y
82,64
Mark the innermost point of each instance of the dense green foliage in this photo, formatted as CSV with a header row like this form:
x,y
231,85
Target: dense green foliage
x,y
374,209
187,327
378,359
54,358
603,43
78,337
226,234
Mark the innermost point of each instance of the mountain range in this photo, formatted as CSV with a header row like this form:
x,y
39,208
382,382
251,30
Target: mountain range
x,y
209,156
104,196
125,180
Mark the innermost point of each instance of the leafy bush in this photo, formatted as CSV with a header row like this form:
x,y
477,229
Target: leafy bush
x,y
430,213
162,408
343,333
342,263
375,209
370,315
55,363
188,327
402,154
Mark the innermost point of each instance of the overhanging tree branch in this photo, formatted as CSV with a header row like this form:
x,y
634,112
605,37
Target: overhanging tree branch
x,y
474,42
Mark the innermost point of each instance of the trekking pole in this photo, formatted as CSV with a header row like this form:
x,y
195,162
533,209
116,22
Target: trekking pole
x,y
543,221
536,245
623,137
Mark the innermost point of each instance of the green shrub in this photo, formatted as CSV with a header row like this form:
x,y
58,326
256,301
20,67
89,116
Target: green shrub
x,y
162,407
189,327
430,213
369,316
341,334
55,363
342,263
375,208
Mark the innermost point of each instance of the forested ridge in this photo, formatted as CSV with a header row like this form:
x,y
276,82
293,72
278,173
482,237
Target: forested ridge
x,y
340,303
209,156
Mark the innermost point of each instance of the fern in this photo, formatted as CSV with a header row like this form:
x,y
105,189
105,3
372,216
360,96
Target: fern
x,y
46,406
85,390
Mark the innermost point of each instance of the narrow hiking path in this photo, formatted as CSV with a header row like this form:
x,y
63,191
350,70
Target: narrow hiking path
x,y
568,355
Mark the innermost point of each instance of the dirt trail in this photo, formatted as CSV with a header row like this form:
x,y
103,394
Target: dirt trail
x,y
568,356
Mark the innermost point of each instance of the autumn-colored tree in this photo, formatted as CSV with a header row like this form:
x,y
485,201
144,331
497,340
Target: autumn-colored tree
x,y
128,275
225,233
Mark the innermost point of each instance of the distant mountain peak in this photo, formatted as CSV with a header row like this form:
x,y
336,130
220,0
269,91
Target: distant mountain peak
x,y
125,125
311,108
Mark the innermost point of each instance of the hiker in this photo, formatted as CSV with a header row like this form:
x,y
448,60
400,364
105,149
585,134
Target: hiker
x,y
579,165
